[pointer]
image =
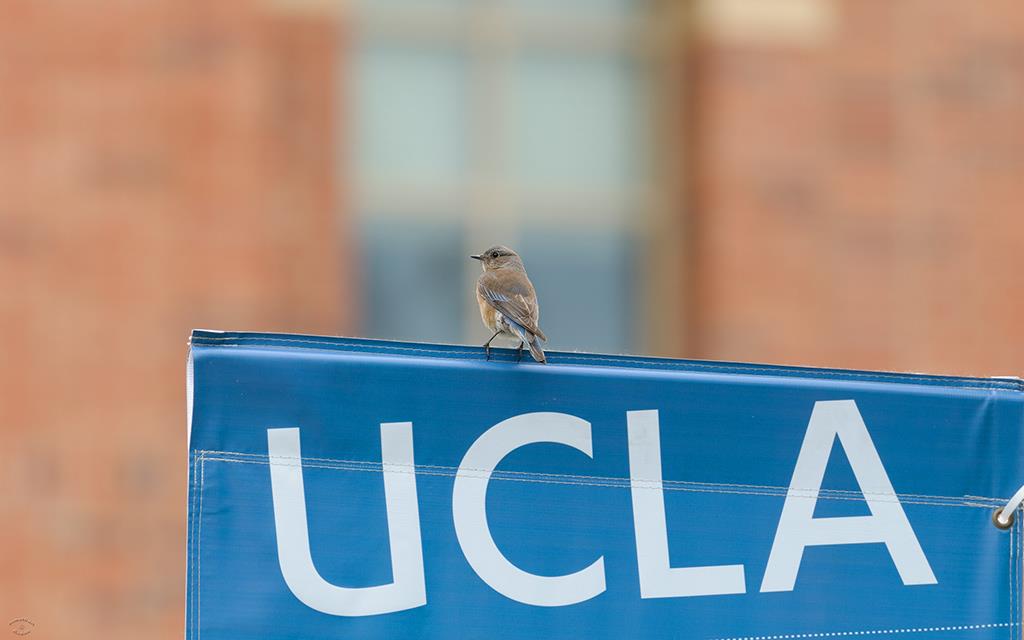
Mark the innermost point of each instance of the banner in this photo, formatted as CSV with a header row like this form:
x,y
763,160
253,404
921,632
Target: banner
x,y
343,488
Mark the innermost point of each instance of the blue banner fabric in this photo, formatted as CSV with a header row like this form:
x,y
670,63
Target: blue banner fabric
x,y
344,488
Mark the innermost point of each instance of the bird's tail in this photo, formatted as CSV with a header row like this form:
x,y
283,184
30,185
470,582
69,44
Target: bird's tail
x,y
536,351
531,340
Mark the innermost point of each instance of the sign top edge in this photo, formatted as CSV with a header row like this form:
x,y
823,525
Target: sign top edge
x,y
207,338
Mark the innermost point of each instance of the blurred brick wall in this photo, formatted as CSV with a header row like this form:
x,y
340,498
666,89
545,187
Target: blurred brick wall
x,y
858,186
857,173
163,164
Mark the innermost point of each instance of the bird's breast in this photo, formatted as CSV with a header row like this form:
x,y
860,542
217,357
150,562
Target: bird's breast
x,y
488,314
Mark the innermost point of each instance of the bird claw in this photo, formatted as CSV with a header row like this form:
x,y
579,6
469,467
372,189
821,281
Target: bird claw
x,y
487,346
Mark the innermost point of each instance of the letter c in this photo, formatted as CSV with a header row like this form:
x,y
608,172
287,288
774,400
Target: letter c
x,y
470,511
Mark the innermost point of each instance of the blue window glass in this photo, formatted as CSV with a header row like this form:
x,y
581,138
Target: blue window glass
x,y
412,4
584,281
412,277
410,114
616,8
575,120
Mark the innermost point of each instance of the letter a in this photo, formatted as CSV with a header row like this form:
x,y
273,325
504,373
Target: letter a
x,y
799,529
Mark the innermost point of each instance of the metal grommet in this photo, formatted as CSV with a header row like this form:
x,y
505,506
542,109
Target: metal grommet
x,y
999,523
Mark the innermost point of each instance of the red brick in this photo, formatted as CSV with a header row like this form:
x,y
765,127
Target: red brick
x,y
165,165
857,202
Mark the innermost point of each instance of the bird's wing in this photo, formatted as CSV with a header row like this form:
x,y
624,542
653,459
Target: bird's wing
x,y
514,300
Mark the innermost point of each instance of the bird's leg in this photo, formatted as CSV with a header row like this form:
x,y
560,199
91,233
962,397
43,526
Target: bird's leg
x,y
487,345
519,353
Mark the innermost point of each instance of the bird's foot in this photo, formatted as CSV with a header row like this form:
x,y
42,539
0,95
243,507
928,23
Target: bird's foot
x,y
519,352
487,346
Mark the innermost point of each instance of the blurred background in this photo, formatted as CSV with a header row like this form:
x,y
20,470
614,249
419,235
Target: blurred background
x,y
821,182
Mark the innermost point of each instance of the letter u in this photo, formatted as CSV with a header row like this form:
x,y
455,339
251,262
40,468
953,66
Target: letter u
x,y
407,589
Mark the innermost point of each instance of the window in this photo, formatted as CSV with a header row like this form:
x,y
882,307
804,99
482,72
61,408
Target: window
x,y
521,122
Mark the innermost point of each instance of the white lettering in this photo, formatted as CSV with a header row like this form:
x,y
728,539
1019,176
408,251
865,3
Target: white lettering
x,y
799,529
657,578
407,589
470,511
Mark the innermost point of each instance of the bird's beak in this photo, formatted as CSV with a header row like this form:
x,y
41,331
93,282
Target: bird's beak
x,y
477,257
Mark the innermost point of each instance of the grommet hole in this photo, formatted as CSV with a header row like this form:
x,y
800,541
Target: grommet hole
x,y
1000,523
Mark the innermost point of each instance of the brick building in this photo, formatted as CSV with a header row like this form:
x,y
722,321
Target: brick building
x,y
160,168
843,180
857,185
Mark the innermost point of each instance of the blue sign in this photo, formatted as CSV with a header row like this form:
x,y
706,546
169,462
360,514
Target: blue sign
x,y
344,488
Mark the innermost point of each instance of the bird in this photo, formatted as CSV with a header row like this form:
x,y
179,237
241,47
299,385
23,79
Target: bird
x,y
508,301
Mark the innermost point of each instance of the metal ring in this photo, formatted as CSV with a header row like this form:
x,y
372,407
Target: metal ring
x,y
1010,508
999,523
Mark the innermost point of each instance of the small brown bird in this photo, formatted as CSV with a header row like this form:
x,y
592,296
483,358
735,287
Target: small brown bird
x,y
508,302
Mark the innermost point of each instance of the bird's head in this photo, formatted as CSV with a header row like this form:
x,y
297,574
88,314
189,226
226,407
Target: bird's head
x,y
499,257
